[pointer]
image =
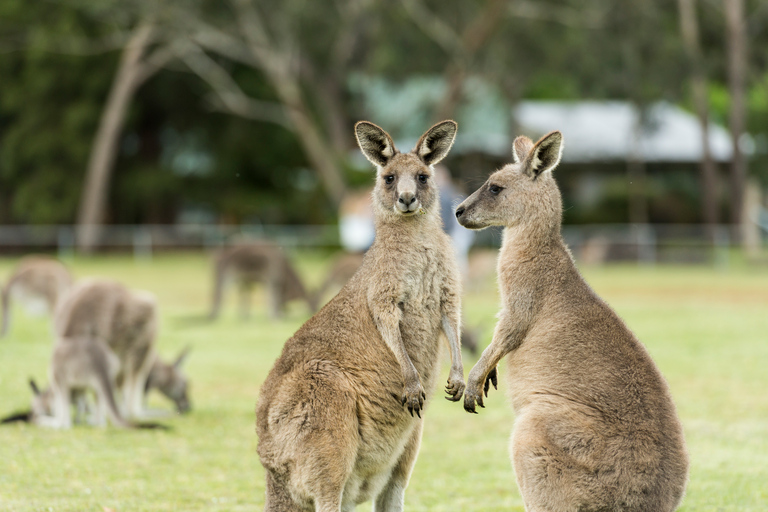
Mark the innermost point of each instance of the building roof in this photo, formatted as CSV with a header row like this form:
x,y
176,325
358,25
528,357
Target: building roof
x,y
612,131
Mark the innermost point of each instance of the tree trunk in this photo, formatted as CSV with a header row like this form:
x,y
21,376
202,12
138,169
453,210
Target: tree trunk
x,y
737,61
636,175
319,152
474,37
689,29
105,145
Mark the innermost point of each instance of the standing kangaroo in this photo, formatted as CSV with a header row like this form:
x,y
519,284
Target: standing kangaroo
x,y
124,321
595,427
253,263
37,280
332,426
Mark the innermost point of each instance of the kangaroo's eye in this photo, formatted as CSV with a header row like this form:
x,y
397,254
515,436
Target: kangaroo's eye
x,y
389,179
423,178
495,189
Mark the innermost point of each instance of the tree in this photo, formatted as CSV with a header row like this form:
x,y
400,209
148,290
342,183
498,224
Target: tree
x,y
736,42
689,29
135,67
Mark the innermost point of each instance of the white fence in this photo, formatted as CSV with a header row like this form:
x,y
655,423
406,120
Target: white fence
x,y
643,243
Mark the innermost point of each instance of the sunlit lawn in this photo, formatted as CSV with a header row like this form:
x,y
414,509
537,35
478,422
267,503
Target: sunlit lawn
x,y
707,329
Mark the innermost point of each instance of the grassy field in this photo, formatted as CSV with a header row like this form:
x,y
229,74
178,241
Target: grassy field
x,y
706,329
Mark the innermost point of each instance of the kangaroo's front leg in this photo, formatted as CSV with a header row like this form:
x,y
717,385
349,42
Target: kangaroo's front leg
x,y
505,340
387,316
455,386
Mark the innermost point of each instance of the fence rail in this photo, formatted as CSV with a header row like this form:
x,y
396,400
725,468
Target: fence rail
x,y
595,243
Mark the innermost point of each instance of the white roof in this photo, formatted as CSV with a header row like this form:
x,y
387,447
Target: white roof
x,y
607,130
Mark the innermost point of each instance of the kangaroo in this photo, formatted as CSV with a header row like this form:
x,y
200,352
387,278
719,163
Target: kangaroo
x,y
78,364
333,430
253,263
36,281
170,381
595,427
124,321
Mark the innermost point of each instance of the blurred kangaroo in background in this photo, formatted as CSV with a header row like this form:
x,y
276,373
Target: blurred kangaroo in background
x,y
595,425
333,430
38,282
124,321
78,365
170,381
253,263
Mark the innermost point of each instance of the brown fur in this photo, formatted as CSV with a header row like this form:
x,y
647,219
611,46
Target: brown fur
x,y
595,427
253,263
36,278
125,320
332,428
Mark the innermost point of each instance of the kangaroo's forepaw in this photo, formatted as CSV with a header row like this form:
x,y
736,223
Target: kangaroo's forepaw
x,y
413,398
455,386
472,396
491,378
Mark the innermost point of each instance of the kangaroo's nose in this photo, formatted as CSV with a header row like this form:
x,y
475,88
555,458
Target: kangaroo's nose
x,y
459,211
407,199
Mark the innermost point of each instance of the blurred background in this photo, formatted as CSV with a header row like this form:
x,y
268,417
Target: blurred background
x,y
148,124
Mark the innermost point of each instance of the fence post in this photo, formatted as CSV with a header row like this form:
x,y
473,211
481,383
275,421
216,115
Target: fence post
x,y
142,244
65,241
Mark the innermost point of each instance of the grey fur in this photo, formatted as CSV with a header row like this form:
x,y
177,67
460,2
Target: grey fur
x,y
35,278
259,262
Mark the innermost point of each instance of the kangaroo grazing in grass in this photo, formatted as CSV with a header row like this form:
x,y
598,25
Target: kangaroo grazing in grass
x,y
39,282
124,321
258,263
595,427
332,426
170,381
79,365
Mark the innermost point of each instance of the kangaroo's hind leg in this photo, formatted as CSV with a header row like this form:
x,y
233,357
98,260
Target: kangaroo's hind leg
x,y
392,497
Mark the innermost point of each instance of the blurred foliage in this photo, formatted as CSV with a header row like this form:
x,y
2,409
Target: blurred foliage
x,y
179,154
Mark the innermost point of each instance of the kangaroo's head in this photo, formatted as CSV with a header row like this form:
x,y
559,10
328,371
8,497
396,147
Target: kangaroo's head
x,y
169,380
523,193
42,401
404,181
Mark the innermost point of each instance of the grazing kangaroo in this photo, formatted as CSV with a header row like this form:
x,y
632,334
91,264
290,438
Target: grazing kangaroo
x,y
124,321
595,427
170,381
253,263
78,364
332,428
36,281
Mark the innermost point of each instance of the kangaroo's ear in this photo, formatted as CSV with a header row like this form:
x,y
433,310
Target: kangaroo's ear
x,y
33,385
182,357
520,148
435,144
545,154
375,143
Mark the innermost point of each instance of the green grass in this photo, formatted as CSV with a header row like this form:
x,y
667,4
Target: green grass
x,y
706,329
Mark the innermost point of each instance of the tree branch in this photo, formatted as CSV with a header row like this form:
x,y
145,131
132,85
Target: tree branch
x,y
228,95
